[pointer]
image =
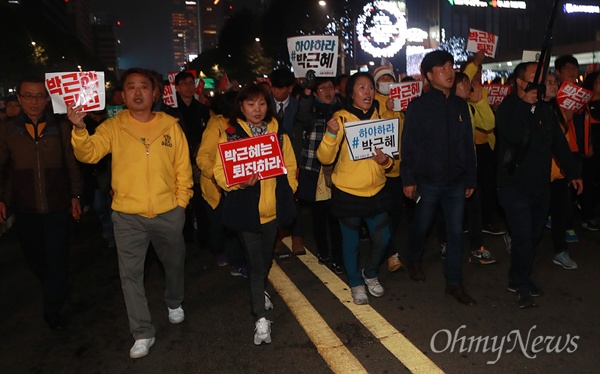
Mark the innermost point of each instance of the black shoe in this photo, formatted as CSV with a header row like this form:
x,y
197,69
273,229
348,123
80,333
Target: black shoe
x,y
54,321
525,300
459,293
415,272
323,260
338,269
534,290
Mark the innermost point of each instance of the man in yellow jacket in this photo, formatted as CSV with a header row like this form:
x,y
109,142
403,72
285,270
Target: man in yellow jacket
x,y
151,181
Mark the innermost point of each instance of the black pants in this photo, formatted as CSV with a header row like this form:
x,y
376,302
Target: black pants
x,y
559,208
525,211
45,243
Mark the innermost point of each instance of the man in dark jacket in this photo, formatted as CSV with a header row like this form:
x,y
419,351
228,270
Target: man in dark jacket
x,y
528,137
45,186
193,117
438,168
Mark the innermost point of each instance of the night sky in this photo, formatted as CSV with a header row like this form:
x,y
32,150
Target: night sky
x,y
144,32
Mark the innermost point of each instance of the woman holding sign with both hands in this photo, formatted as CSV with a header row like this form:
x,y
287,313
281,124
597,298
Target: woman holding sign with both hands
x,y
256,208
357,190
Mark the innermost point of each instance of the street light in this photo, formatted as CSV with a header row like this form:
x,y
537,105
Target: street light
x,y
322,3
257,40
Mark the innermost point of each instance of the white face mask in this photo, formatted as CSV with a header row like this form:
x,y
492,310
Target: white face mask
x,y
384,87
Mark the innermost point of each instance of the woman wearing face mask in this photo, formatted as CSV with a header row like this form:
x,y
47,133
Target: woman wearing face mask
x,y
357,190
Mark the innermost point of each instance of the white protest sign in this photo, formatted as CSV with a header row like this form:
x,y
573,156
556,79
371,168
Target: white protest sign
x,y
479,40
82,88
363,137
315,52
403,93
531,56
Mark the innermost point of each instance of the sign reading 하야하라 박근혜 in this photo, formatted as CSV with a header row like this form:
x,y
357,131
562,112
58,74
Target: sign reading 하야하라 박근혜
x,y
363,137
314,52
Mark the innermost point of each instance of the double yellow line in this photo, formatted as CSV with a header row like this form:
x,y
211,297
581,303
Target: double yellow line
x,y
326,341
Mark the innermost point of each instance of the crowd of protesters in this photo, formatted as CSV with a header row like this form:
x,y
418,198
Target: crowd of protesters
x,y
156,179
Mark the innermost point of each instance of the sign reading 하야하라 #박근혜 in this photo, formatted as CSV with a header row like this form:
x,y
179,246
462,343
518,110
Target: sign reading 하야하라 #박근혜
x,y
314,52
85,89
363,137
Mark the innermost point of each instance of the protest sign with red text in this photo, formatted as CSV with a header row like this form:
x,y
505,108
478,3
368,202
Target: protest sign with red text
x,y
85,89
244,157
403,93
479,40
496,93
572,97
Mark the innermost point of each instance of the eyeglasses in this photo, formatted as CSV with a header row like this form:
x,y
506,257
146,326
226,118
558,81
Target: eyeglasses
x,y
30,97
552,83
326,88
186,84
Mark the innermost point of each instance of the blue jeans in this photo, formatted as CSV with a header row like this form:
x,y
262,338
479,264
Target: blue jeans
x,y
379,229
452,201
525,212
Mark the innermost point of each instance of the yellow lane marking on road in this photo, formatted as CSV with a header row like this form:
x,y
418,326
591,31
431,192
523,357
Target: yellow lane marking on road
x,y
391,338
330,347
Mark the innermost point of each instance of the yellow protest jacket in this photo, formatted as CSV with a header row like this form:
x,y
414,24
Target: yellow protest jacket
x,y
267,203
147,179
360,178
205,159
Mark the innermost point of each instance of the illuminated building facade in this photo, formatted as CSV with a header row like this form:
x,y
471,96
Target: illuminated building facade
x,y
185,32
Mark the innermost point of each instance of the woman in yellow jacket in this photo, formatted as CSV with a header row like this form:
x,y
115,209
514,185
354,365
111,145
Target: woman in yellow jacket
x,y
256,208
357,190
221,239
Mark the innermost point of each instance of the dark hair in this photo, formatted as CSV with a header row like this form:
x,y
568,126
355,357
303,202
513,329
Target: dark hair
x,y
181,76
408,78
352,81
140,71
282,77
461,77
11,98
588,82
222,103
32,79
338,79
250,91
522,68
321,80
562,61
433,59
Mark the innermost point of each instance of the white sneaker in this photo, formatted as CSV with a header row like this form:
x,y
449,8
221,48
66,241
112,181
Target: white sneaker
x,y
373,285
359,295
176,315
262,331
141,347
268,303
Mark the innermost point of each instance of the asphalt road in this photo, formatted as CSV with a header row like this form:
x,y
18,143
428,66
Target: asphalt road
x,y
414,327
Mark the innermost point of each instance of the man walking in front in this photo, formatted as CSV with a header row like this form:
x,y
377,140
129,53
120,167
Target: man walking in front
x,y
528,137
438,164
151,180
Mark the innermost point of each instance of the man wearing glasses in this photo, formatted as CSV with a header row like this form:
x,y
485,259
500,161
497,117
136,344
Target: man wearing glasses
x,y
35,149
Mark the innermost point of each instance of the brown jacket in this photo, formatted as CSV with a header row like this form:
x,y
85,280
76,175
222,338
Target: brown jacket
x,y
44,172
